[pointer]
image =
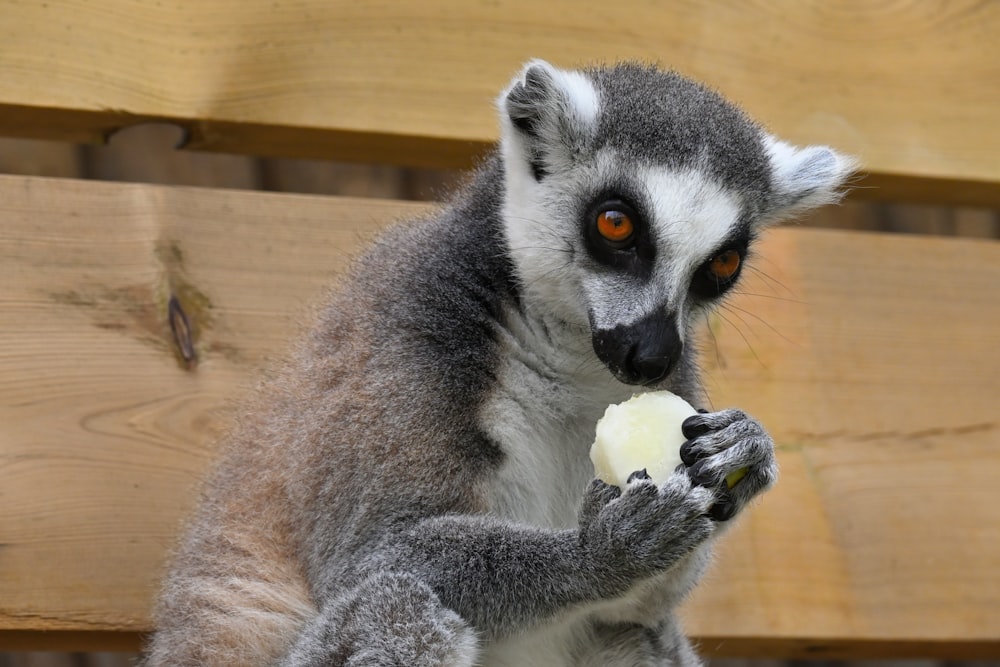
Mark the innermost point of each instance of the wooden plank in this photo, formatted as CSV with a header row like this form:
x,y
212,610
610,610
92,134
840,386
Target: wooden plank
x,y
872,359
413,82
96,404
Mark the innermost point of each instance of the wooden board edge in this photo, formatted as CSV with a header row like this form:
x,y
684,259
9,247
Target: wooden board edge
x,y
359,146
844,648
72,640
788,648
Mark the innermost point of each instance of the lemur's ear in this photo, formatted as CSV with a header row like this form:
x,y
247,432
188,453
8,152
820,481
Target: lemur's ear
x,y
805,178
549,115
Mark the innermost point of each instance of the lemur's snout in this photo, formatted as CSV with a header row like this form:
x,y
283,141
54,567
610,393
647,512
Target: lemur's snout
x,y
643,352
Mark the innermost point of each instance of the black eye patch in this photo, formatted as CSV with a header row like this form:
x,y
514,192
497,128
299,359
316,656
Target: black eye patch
x,y
617,235
719,272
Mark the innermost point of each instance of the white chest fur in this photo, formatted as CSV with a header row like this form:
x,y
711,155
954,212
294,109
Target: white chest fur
x,y
543,415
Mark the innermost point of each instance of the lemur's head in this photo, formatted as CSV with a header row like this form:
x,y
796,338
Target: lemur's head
x,y
632,197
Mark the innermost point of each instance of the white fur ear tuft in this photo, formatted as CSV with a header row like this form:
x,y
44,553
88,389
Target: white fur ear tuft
x,y
579,96
541,83
805,178
551,111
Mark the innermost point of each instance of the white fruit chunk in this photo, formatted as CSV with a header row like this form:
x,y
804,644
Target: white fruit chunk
x,y
644,432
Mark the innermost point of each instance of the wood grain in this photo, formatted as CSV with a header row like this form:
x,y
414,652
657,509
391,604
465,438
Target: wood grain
x,y
105,428
872,359
910,87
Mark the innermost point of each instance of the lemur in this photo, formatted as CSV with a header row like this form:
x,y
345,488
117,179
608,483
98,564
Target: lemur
x,y
414,487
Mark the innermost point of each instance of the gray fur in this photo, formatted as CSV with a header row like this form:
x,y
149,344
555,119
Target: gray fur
x,y
666,119
413,487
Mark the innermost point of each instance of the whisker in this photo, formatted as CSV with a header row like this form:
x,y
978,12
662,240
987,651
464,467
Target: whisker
x,y
589,362
768,296
708,398
741,319
537,247
715,341
548,273
745,339
773,281
761,320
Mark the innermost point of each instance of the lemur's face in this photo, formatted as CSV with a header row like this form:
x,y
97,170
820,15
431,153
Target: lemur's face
x,y
633,252
655,251
633,197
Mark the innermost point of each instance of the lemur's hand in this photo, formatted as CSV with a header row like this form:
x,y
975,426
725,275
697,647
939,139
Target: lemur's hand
x,y
645,529
721,443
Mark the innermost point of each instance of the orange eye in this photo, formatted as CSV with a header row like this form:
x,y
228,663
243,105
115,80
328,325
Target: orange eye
x,y
725,265
615,226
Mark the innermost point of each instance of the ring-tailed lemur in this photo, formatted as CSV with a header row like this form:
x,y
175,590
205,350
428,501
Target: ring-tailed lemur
x,y
414,488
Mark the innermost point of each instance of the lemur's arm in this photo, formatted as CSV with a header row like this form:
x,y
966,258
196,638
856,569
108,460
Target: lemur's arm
x,y
502,577
432,591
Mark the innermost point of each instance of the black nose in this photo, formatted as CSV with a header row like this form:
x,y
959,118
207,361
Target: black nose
x,y
643,352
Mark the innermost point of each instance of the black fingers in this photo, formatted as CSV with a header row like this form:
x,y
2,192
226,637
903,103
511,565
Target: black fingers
x,y
724,509
694,426
638,475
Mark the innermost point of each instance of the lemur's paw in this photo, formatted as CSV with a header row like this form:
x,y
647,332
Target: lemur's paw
x,y
598,495
645,528
720,445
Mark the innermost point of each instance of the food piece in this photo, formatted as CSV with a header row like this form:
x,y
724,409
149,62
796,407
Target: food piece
x,y
734,477
644,432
